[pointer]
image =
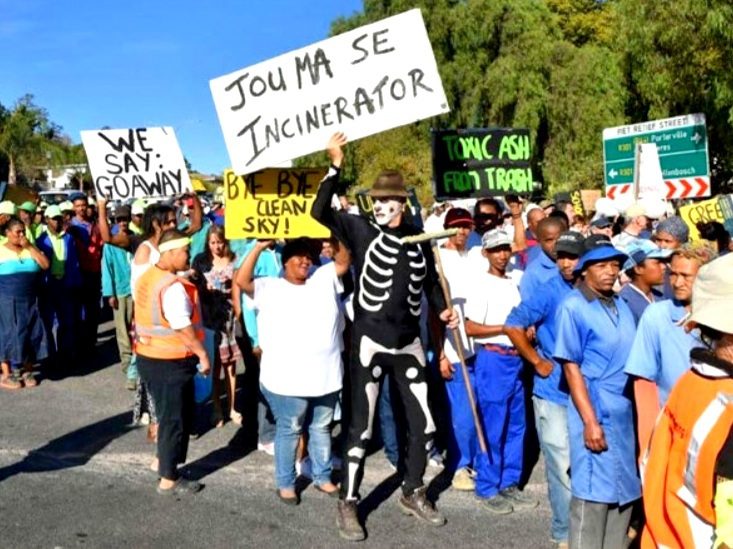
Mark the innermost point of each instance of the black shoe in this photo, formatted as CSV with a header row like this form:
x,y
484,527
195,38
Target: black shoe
x,y
288,500
183,486
348,521
519,499
419,506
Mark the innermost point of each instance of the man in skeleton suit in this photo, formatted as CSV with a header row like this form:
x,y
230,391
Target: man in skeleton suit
x,y
390,278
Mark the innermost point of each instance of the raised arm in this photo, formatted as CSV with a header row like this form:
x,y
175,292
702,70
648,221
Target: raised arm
x,y
121,239
341,257
245,278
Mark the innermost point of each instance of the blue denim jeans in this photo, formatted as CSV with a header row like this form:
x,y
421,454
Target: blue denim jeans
x,y
551,420
292,414
387,424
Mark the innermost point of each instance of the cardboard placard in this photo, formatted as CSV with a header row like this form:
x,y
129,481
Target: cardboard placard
x,y
136,163
273,203
479,162
374,78
707,210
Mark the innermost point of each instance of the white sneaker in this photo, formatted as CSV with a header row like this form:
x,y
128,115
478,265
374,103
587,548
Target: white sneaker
x,y
268,448
436,460
145,419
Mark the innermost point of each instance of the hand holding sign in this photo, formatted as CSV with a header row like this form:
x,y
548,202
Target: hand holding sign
x,y
335,150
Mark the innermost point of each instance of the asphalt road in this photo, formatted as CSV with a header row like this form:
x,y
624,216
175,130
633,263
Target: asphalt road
x,y
74,473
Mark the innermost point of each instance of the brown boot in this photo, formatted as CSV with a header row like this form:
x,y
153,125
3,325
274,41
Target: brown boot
x,y
418,505
348,521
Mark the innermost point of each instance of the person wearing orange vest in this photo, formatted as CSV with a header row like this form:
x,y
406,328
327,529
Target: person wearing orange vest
x,y
168,347
679,470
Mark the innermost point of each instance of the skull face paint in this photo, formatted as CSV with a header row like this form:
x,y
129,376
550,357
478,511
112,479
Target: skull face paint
x,y
386,210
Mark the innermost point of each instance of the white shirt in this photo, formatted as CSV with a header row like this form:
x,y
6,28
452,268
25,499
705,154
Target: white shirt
x,y
490,301
460,270
137,270
300,329
177,307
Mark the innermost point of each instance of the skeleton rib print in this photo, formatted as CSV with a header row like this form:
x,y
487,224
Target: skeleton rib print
x,y
378,274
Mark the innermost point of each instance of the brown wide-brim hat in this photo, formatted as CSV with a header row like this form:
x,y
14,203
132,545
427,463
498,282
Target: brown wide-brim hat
x,y
388,183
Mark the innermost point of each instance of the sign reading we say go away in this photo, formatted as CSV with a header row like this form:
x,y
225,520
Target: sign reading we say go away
x,y
362,82
135,163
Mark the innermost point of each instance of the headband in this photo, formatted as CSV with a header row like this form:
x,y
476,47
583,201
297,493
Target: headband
x,y
173,244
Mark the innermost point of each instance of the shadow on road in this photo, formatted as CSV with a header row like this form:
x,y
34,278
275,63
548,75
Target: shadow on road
x,y
237,448
72,449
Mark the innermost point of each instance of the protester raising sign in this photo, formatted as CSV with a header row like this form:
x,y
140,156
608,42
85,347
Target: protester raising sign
x,y
272,203
701,212
362,82
135,163
481,162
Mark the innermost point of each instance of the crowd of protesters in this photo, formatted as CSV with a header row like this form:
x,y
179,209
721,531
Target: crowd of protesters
x,y
609,336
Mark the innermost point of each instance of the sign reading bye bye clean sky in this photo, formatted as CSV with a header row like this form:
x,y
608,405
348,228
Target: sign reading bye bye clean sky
x,y
135,163
362,82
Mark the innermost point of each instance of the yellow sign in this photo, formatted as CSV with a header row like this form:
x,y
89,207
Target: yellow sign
x,y
273,203
705,211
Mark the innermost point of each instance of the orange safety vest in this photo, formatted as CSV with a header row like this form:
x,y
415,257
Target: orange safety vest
x,y
679,468
154,336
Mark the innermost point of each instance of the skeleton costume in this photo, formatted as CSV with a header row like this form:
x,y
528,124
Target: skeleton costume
x,y
390,278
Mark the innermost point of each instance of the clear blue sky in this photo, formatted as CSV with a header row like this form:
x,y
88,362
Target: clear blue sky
x,y
142,63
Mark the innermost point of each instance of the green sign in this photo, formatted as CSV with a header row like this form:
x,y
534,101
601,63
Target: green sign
x,y
682,146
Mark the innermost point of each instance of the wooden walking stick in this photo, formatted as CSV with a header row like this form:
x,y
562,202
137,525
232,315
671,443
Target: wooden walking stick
x,y
422,237
458,344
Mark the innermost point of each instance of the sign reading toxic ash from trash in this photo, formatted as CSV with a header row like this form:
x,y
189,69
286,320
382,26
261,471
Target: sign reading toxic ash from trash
x,y
362,82
273,203
480,162
136,163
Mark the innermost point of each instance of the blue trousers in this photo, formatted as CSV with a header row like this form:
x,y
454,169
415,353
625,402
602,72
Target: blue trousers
x,y
462,438
501,401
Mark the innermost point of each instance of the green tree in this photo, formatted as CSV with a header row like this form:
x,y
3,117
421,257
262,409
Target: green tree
x,y
677,59
25,135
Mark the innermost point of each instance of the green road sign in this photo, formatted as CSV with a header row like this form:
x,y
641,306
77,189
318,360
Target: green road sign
x,y
682,145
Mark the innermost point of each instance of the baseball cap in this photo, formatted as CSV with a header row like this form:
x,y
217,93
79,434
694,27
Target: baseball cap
x,y
570,242
66,206
457,217
640,250
546,203
495,238
712,295
138,207
601,223
28,206
635,210
122,211
7,208
53,211
73,197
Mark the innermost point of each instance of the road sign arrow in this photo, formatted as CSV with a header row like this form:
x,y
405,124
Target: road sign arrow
x,y
611,192
696,138
686,188
670,189
612,174
702,186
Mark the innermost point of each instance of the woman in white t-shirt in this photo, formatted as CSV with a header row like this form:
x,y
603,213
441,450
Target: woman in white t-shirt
x,y
299,321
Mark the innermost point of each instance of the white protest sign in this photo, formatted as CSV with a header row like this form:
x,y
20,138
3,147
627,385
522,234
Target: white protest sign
x,y
651,181
374,78
135,163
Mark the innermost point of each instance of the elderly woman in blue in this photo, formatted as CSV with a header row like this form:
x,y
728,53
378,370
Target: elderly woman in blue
x,y
595,330
22,337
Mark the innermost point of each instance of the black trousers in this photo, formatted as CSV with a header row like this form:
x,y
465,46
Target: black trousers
x,y
91,294
408,373
170,382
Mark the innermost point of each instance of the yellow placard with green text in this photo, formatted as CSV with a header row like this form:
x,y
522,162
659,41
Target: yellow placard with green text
x,y
272,204
705,211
